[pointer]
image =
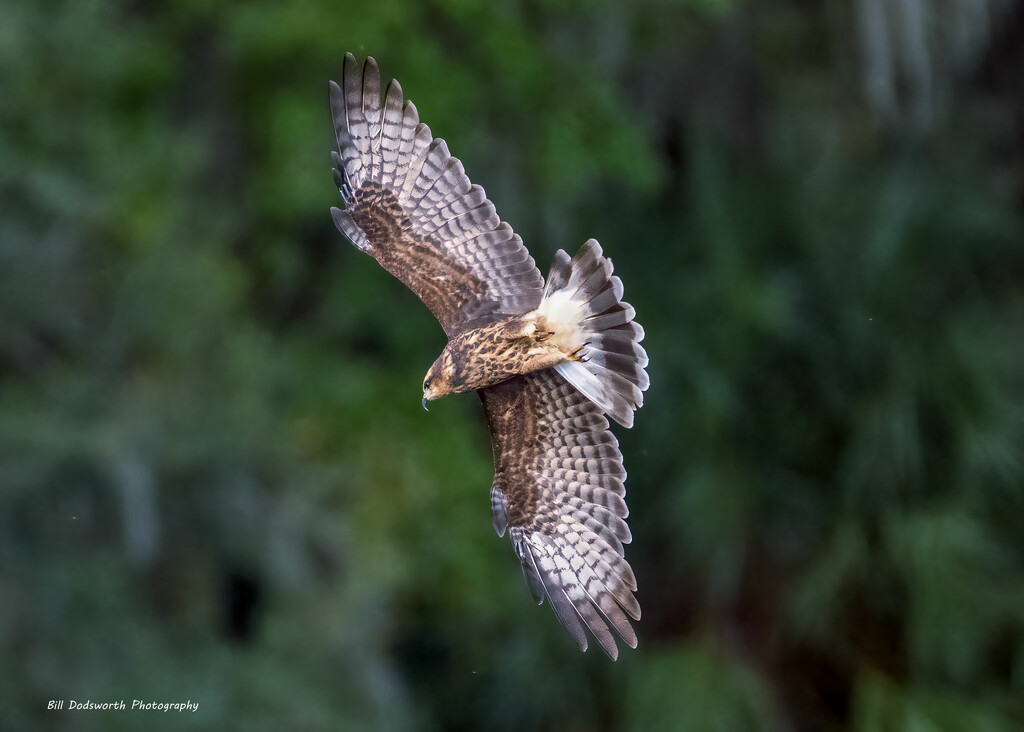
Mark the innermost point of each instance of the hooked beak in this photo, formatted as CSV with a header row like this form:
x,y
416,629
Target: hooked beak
x,y
429,395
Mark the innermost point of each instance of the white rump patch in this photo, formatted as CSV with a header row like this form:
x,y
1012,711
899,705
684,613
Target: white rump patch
x,y
563,315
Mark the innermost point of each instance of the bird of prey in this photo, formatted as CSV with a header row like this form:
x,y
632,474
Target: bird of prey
x,y
548,359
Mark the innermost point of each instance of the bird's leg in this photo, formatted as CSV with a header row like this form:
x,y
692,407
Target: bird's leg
x,y
575,355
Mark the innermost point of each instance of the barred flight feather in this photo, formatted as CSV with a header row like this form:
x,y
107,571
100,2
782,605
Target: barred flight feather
x,y
410,205
568,527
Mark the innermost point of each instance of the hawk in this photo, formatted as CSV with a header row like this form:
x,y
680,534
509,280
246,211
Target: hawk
x,y
548,359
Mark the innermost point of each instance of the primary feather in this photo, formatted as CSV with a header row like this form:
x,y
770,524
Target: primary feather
x,y
411,206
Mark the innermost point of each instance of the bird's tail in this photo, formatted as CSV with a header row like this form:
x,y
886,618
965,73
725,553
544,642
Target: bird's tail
x,y
583,308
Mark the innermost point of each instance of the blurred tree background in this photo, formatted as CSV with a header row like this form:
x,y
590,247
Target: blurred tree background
x,y
216,480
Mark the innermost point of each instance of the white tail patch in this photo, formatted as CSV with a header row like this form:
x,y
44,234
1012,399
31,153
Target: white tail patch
x,y
583,307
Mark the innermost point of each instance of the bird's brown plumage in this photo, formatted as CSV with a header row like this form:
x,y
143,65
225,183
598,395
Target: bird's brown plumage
x,y
558,485
558,488
411,206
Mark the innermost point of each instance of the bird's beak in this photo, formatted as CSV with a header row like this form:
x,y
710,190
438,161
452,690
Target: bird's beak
x,y
425,405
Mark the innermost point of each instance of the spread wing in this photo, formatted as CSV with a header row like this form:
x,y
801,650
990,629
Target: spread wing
x,y
558,488
410,205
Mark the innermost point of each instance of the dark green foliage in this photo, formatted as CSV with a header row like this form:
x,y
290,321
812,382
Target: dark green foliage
x,y
216,481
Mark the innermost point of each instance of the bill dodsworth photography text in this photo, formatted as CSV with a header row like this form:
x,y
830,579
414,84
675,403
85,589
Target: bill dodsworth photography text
x,y
72,705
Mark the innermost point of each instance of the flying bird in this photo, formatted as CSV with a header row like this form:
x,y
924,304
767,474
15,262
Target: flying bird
x,y
548,359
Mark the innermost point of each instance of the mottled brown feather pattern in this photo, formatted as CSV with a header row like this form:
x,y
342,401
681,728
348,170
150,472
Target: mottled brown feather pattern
x,y
445,285
558,489
411,206
491,350
515,438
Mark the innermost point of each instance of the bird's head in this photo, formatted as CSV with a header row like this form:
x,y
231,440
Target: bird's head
x,y
439,379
